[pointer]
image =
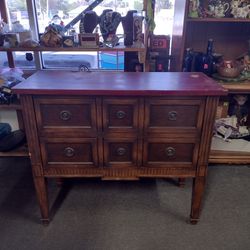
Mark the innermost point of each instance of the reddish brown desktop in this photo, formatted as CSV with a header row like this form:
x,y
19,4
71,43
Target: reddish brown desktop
x,y
119,126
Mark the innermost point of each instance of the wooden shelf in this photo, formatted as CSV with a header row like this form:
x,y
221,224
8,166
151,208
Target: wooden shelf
x,y
236,87
222,20
240,87
120,48
15,105
237,151
18,152
80,49
232,157
229,157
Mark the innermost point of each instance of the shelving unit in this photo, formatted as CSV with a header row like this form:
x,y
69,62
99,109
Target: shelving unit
x,y
226,156
230,34
119,48
18,152
238,88
222,20
13,106
230,37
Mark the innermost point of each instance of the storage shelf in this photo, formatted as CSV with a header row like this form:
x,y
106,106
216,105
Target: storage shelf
x,y
237,151
219,20
229,157
18,152
80,49
13,106
232,157
231,36
242,87
236,87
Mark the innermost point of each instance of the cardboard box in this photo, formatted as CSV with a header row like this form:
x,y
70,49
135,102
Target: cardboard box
x,y
89,40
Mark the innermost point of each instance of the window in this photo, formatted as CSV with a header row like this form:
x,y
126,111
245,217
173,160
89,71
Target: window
x,y
164,13
17,11
65,11
68,10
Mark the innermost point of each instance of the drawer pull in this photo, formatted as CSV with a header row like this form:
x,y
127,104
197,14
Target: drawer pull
x,y
170,151
120,114
69,152
65,115
172,116
121,151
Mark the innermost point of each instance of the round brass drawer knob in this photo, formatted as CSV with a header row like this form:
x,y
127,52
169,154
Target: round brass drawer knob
x,y
121,151
120,114
170,151
65,115
172,115
69,152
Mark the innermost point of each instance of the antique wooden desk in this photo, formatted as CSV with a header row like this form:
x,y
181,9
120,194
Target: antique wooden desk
x,y
119,126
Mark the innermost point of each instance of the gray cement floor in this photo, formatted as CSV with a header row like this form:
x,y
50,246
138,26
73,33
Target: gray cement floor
x,y
144,215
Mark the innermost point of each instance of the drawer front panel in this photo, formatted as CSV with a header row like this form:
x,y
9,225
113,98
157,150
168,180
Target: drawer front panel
x,y
120,152
66,114
67,152
120,115
170,153
166,115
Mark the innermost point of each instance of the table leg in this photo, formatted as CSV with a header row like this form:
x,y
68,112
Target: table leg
x,y
181,182
59,182
197,194
42,196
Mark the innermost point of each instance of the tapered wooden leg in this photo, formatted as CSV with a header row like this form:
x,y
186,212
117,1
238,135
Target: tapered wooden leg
x,y
181,182
42,196
59,182
197,194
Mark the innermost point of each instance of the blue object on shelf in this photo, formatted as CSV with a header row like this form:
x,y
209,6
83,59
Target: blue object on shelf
x,y
109,60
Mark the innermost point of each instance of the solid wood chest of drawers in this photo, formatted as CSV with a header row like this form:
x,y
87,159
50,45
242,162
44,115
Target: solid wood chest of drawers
x,y
119,126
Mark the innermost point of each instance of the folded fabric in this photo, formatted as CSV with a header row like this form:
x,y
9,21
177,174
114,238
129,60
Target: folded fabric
x,y
12,140
5,129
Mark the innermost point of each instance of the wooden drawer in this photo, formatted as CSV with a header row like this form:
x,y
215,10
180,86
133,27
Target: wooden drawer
x,y
173,116
66,117
120,115
120,152
161,152
59,152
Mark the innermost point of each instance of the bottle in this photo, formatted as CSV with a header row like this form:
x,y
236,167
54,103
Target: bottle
x,y
207,59
161,64
188,59
160,67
